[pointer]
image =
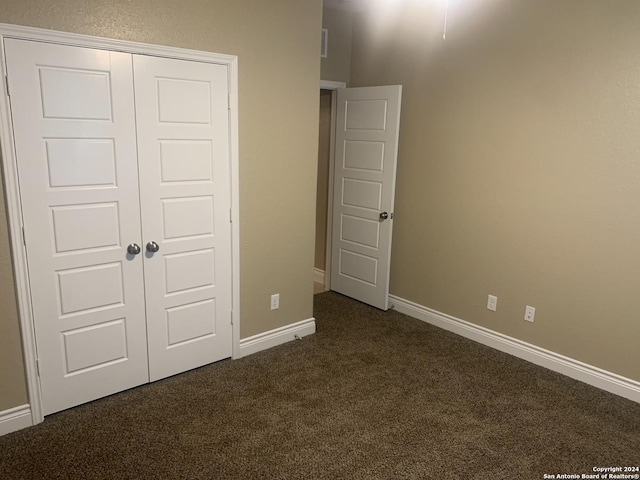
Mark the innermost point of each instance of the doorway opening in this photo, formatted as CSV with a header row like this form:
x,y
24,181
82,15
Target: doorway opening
x,y
324,190
322,244
365,123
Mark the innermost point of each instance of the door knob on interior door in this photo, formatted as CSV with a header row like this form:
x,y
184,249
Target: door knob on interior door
x,y
153,247
384,216
133,249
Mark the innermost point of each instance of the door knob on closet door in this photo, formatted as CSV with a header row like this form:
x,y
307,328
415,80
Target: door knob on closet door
x,y
153,247
133,249
384,216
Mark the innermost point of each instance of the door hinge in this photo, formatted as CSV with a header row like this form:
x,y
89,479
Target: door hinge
x,y
24,237
38,366
229,102
231,317
6,81
230,216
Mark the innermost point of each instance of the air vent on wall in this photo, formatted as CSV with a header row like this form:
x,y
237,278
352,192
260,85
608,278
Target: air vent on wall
x,y
325,41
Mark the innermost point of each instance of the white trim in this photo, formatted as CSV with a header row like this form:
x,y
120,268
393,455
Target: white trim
x,y
276,337
331,85
66,38
14,220
15,419
597,377
235,206
14,209
330,181
318,276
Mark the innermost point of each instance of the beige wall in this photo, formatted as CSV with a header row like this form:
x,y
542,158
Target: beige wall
x,y
277,46
13,390
519,167
337,65
322,189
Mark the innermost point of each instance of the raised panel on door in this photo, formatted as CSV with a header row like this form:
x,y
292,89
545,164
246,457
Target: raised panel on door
x,y
183,145
75,141
367,128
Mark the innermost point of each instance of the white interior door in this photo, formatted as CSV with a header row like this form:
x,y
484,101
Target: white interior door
x,y
367,128
75,141
183,147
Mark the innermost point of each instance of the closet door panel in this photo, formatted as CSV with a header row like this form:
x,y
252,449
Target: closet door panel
x,y
75,141
184,163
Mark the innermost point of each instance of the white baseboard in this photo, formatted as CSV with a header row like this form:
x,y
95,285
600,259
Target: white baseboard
x,y
276,337
611,382
15,419
318,276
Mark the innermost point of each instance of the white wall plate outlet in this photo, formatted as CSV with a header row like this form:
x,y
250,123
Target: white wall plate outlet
x,y
492,303
275,301
529,313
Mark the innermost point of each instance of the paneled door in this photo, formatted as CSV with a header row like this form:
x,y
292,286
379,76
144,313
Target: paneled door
x,y
367,128
183,148
123,164
74,129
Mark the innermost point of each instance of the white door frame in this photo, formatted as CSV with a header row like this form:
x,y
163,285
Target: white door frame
x,y
14,208
330,85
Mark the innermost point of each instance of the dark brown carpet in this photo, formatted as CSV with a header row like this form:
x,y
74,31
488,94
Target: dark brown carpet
x,y
372,395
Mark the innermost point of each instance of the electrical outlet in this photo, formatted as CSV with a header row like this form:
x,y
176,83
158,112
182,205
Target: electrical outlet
x,y
529,313
492,303
275,301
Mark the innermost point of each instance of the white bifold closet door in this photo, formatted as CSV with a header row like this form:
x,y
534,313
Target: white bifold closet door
x,y
117,151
